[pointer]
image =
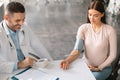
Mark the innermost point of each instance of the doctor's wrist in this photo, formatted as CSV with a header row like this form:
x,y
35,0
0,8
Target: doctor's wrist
x,y
22,65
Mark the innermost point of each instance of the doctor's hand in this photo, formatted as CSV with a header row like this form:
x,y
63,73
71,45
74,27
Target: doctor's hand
x,y
64,64
27,62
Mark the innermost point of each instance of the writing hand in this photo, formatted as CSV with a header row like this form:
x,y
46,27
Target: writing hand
x,y
27,62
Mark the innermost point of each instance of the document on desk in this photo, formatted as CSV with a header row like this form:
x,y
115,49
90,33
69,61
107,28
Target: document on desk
x,y
34,74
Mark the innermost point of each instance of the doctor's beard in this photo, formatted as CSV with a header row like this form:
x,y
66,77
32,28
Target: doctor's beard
x,y
17,27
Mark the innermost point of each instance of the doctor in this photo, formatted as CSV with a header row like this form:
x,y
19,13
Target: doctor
x,y
17,40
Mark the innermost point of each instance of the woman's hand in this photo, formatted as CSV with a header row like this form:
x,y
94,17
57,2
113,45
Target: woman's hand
x,y
64,64
93,68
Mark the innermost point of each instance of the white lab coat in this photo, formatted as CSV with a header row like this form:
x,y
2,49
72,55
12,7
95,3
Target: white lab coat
x,y
28,43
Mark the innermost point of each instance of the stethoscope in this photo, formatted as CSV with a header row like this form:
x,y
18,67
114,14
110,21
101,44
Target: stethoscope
x,y
8,36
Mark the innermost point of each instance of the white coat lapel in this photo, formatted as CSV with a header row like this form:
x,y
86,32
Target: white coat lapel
x,y
21,37
8,34
10,41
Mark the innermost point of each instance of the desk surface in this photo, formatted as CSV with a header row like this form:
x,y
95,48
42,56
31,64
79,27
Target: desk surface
x,y
77,71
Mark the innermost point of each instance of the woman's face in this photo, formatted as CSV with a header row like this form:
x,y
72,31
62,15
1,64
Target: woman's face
x,y
95,16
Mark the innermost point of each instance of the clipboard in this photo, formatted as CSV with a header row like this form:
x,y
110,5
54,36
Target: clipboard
x,y
14,78
33,74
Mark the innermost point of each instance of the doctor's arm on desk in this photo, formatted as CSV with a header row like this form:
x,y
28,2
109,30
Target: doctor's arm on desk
x,y
10,66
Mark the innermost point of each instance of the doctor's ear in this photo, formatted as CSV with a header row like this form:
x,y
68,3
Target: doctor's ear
x,y
6,17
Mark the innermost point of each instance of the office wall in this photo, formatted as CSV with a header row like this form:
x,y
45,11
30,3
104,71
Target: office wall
x,y
1,12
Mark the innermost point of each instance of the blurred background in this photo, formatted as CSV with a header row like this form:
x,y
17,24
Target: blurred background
x,y
56,22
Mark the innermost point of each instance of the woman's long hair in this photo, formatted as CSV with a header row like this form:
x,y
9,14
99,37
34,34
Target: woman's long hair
x,y
97,5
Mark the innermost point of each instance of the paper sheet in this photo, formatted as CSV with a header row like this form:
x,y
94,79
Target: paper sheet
x,y
33,74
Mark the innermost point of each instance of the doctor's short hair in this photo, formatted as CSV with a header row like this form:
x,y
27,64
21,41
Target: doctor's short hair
x,y
15,7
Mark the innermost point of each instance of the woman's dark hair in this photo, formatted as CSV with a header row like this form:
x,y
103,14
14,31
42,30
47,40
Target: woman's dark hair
x,y
97,5
15,7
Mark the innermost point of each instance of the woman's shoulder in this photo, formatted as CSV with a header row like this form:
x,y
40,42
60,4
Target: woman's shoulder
x,y
109,28
85,25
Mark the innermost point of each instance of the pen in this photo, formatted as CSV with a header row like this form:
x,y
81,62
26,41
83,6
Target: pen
x,y
35,56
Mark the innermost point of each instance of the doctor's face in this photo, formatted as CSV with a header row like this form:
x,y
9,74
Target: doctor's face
x,y
15,21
